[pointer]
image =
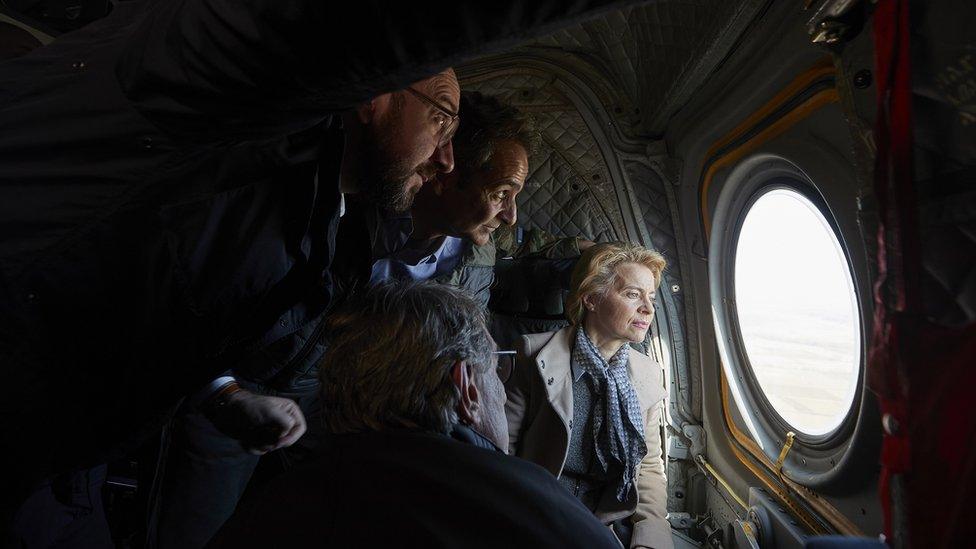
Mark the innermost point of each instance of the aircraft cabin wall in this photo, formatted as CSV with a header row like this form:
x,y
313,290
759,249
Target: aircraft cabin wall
x,y
779,117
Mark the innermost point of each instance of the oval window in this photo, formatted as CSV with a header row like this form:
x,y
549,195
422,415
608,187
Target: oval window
x,y
797,311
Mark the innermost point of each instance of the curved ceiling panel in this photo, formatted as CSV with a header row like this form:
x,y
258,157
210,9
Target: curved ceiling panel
x,y
653,56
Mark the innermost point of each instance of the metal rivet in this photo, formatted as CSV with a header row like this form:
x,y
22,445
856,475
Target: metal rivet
x,y
147,143
675,288
890,424
862,79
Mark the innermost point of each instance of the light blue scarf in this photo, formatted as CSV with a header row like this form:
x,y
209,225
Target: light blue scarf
x,y
618,428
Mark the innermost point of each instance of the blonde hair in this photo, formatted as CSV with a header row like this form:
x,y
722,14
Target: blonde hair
x,y
596,271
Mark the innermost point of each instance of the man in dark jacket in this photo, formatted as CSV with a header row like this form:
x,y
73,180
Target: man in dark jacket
x,y
388,141
261,404
406,365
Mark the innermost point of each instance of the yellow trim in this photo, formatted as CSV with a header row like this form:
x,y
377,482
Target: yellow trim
x,y
835,518
718,478
745,449
803,110
808,520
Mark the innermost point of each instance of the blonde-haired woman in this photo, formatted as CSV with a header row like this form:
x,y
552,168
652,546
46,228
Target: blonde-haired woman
x,y
583,404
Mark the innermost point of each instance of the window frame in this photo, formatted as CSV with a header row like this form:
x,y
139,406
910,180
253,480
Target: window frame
x,y
823,462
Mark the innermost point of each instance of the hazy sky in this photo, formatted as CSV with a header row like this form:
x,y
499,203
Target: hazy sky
x,y
787,254
797,312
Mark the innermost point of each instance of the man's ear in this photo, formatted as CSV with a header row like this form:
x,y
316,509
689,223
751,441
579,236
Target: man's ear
x,y
365,112
469,406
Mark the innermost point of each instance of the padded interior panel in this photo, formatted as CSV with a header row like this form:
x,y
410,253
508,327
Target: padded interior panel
x,y
647,51
568,191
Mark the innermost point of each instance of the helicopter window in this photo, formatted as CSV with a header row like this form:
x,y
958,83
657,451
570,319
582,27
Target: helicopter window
x,y
796,310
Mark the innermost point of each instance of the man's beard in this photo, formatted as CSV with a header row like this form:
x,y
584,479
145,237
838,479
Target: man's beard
x,y
385,176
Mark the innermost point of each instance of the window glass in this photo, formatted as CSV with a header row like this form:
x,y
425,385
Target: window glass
x,y
797,311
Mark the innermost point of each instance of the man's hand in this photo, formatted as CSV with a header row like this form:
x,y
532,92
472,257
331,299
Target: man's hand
x,y
261,423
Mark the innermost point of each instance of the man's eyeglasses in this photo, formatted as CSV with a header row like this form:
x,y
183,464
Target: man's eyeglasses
x,y
447,121
506,364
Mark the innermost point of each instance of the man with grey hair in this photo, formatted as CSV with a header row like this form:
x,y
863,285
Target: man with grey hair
x,y
407,363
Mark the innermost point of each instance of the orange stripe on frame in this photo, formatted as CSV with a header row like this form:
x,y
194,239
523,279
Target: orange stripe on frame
x,y
800,112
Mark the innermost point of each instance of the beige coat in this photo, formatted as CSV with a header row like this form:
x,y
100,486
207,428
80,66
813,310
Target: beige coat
x,y
539,410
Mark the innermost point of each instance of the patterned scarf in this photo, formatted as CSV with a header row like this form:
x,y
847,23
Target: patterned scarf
x,y
618,428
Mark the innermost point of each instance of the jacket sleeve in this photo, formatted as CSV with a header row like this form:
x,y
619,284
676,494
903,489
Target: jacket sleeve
x,y
536,244
518,390
539,243
651,526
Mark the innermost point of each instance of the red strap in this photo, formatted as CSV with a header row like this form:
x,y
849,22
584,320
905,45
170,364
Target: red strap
x,y
895,192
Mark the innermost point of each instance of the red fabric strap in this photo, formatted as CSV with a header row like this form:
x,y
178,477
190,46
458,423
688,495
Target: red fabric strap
x,y
895,192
